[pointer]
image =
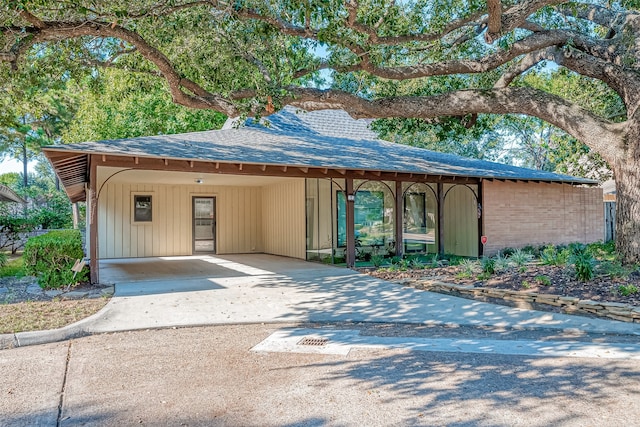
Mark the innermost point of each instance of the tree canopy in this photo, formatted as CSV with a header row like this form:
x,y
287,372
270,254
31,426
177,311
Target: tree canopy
x,y
419,59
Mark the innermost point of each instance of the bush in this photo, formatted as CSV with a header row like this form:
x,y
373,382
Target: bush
x,y
4,259
51,256
488,265
583,262
627,290
551,255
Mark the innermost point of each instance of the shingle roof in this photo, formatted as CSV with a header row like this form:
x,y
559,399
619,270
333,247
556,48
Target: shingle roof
x,y
323,139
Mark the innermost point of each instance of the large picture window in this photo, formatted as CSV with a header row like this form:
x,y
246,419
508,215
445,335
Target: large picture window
x,y
368,217
142,208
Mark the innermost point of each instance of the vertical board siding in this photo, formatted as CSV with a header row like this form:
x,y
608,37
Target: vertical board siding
x,y
521,214
460,221
283,218
239,226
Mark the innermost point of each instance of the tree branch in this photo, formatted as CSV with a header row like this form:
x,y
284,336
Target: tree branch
x,y
494,24
601,135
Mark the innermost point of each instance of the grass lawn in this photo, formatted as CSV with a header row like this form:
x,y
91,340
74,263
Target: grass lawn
x,y
42,315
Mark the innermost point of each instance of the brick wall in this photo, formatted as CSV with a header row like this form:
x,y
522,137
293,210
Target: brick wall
x,y
517,214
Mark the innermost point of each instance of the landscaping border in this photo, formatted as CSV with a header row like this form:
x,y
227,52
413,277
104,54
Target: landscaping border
x,y
529,300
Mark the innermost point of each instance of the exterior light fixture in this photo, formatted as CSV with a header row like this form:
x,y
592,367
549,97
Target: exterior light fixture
x,y
199,181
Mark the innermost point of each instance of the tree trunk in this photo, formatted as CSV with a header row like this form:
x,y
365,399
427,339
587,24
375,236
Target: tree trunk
x,y
25,179
627,177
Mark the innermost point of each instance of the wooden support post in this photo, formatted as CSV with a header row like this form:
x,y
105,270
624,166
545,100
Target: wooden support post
x,y
92,202
480,220
351,232
399,219
440,219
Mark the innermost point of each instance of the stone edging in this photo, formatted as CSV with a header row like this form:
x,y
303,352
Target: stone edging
x,y
569,305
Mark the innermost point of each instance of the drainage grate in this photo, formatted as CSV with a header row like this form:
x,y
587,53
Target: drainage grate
x,y
313,341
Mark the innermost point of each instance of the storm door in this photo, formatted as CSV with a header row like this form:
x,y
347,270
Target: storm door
x,y
204,224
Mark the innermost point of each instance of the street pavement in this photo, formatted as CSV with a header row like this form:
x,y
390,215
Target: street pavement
x,y
212,376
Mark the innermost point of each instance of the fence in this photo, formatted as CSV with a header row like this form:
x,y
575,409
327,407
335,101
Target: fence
x,y
609,221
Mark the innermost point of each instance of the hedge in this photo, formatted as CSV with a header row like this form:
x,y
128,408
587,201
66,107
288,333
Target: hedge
x,y
51,256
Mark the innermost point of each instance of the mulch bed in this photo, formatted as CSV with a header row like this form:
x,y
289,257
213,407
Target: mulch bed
x,y
562,281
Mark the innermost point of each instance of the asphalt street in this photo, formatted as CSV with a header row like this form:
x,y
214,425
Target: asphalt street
x,y
217,376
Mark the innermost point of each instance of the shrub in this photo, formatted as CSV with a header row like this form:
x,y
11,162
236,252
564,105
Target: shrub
x,y
583,262
543,280
520,257
4,259
51,256
377,260
552,255
488,265
626,290
469,267
501,264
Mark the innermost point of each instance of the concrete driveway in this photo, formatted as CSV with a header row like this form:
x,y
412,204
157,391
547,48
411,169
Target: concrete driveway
x,y
257,288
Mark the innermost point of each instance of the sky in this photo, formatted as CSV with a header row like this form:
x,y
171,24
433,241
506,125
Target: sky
x,y
11,165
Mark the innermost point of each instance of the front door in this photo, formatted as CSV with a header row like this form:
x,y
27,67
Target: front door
x,y
204,224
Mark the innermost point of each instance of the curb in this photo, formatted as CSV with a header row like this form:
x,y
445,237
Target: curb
x,y
75,330
568,305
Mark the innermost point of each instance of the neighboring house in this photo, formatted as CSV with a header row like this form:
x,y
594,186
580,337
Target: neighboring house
x,y
317,186
8,195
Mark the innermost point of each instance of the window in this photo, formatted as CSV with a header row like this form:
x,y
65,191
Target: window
x,y
142,211
368,217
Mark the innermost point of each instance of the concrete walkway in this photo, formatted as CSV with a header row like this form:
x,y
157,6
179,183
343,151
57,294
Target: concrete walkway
x,y
210,290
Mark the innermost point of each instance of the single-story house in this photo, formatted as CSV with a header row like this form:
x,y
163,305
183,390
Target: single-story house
x,y
312,185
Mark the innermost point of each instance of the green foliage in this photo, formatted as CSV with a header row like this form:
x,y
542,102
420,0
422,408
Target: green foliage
x,y
488,265
543,280
583,262
520,257
4,259
377,260
51,256
501,264
122,105
469,267
526,284
12,229
552,255
627,290
13,268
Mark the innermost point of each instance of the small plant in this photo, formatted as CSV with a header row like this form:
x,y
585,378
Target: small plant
x,y
526,284
377,260
403,264
543,280
488,265
434,262
501,264
552,255
627,290
469,267
484,276
4,259
583,262
416,264
395,260
520,257
507,252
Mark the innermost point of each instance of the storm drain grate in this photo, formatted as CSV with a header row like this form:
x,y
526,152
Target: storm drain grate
x,y
313,341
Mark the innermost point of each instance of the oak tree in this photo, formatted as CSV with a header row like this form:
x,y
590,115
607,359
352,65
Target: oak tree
x,y
254,56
